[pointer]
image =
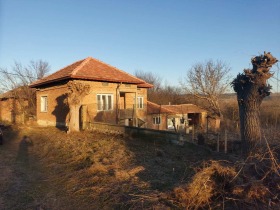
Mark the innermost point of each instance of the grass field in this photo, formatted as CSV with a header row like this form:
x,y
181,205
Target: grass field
x,y
47,169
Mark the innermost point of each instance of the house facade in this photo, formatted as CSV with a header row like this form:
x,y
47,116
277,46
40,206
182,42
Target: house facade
x,y
157,116
180,118
12,107
114,96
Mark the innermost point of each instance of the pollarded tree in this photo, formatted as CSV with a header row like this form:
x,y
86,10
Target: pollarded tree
x,y
251,87
208,81
76,92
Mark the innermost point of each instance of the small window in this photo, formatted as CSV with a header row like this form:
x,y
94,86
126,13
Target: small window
x,y
105,83
156,120
104,102
44,103
140,102
127,85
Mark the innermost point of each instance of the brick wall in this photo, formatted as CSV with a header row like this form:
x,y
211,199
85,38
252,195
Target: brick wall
x,y
161,126
57,109
11,111
57,113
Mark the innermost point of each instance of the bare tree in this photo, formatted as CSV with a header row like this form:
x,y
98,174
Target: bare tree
x,y
170,95
207,81
150,78
155,80
251,88
277,77
17,80
160,93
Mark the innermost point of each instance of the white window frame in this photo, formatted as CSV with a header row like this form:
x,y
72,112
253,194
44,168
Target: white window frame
x,y
107,106
157,120
44,103
140,102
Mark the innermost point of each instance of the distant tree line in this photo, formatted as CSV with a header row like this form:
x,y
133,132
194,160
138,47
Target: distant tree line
x,y
203,85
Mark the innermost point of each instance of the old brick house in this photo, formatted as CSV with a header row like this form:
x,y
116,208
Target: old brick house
x,y
192,116
12,107
115,96
182,117
157,116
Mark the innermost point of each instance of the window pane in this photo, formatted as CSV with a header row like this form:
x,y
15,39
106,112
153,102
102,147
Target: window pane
x,y
140,102
44,104
104,103
157,120
109,102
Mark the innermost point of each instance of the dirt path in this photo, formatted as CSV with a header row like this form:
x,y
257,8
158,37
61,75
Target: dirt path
x,y
20,177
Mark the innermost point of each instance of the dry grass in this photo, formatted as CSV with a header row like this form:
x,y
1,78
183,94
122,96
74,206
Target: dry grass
x,y
92,170
249,184
209,183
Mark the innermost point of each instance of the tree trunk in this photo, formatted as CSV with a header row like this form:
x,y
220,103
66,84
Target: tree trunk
x,y
77,91
249,102
74,123
251,88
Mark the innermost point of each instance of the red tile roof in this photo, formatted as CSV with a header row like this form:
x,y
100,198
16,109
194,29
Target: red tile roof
x,y
91,69
184,108
153,108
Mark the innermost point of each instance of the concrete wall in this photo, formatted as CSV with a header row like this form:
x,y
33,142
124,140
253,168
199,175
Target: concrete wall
x,y
135,131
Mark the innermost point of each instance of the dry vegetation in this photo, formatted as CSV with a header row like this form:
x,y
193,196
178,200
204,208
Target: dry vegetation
x,y
91,170
269,116
44,168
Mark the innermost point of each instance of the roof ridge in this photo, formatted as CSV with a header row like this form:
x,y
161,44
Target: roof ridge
x,y
84,62
44,78
161,106
85,69
178,105
118,69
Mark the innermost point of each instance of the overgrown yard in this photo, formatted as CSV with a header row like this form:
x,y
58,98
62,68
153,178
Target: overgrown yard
x,y
45,168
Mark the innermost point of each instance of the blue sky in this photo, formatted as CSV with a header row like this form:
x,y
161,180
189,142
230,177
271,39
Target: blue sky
x,y
165,37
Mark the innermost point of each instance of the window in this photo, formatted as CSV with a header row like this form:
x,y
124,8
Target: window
x,y
104,102
156,120
44,103
140,102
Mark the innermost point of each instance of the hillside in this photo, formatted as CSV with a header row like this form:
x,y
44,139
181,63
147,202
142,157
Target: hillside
x,y
45,168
